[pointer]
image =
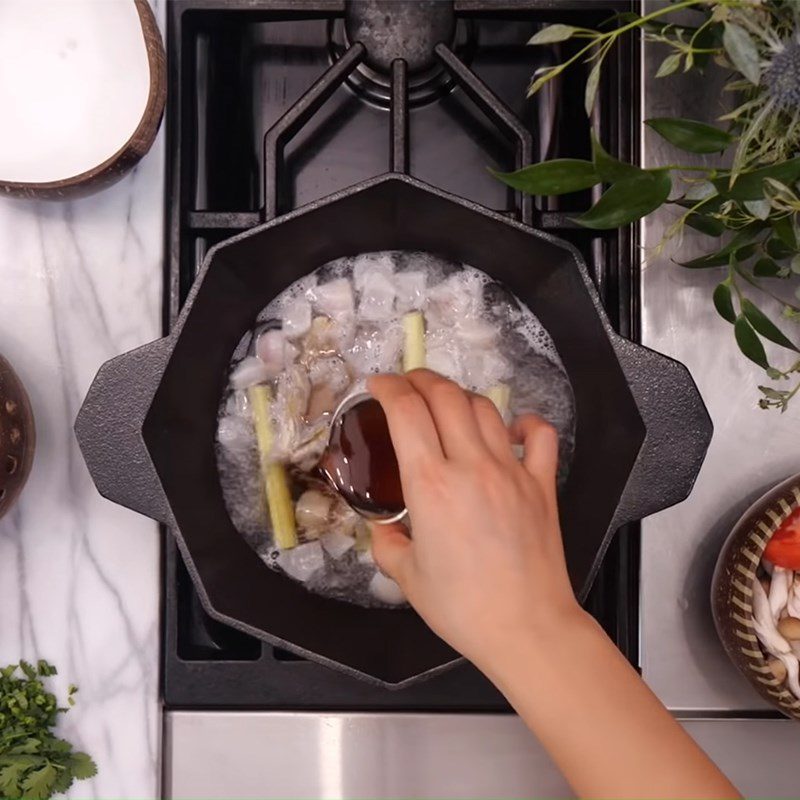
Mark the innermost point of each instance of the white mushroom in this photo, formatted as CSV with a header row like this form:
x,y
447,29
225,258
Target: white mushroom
x,y
764,623
779,591
312,509
793,603
793,673
291,402
772,641
293,390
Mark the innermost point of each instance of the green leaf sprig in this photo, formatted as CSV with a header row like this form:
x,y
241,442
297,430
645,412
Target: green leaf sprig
x,y
749,204
34,763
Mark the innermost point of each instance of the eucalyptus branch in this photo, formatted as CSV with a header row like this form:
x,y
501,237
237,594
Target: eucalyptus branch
x,y
701,28
748,203
611,36
761,288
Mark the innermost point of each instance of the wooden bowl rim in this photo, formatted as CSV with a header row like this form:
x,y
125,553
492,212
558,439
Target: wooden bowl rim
x,y
29,423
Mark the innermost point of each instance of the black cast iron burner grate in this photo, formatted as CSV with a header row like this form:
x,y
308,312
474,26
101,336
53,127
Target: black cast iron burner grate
x,y
239,68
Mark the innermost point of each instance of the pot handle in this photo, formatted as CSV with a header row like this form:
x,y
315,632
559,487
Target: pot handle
x,y
678,431
109,429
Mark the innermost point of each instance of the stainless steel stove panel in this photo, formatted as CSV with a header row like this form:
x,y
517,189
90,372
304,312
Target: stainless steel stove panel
x,y
352,756
752,450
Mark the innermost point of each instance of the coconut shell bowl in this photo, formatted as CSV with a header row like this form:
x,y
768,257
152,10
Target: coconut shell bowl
x,y
17,436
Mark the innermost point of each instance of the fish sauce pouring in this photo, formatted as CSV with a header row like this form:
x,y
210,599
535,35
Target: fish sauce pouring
x,y
360,461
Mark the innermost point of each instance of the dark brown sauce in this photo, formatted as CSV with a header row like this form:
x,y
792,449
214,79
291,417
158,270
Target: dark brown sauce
x,y
360,461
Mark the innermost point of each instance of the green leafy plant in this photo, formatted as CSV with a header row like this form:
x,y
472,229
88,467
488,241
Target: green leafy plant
x,y
34,763
748,204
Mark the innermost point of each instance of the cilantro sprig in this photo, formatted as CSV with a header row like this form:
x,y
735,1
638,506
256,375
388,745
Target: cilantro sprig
x,y
34,763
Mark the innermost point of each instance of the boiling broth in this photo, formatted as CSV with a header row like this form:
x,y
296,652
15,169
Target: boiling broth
x,y
316,343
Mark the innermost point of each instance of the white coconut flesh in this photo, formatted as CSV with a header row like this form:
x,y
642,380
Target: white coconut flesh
x,y
74,85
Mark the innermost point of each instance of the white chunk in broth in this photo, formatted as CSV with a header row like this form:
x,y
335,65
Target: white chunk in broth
x,y
377,297
376,349
271,349
410,290
386,590
369,264
313,510
249,372
336,543
303,561
476,332
334,298
455,299
296,318
327,333
235,433
445,353
482,369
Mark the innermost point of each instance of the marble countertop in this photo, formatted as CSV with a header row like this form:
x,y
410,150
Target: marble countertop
x,y
79,576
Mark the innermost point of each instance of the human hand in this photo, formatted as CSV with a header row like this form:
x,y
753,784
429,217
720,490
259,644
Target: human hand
x,y
486,563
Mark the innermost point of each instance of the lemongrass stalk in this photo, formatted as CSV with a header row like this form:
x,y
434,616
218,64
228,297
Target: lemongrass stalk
x,y
500,395
273,473
413,341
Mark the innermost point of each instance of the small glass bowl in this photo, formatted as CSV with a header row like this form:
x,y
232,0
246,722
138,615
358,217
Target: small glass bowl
x,y
359,395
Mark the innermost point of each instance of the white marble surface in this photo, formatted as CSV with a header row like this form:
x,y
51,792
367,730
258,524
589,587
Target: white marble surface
x,y
79,576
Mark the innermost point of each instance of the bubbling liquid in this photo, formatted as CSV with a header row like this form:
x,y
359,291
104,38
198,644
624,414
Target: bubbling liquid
x,y
316,343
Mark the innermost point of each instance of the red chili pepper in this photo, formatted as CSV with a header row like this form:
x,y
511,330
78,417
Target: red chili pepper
x,y
783,549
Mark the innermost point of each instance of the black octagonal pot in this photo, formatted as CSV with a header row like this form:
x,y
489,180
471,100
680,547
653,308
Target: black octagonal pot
x,y
148,424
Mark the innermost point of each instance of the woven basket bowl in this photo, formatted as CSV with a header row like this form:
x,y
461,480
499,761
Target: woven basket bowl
x,y
732,594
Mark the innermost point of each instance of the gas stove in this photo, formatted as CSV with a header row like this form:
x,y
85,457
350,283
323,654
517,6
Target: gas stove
x,y
274,104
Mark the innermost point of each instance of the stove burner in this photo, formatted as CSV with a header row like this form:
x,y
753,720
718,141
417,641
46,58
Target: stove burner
x,y
280,79
401,38
407,29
